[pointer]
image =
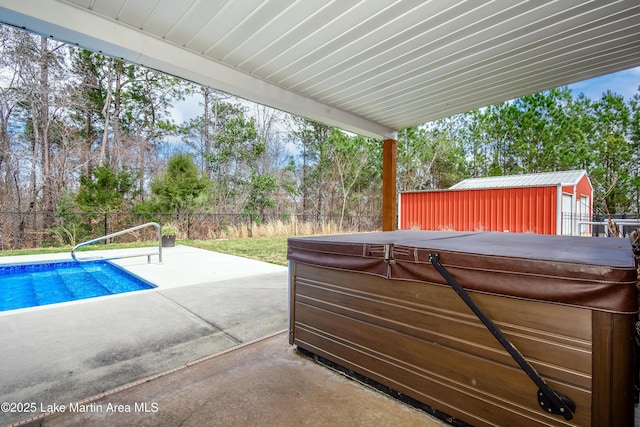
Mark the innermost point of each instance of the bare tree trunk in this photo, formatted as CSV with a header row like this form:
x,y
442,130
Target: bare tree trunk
x,y
88,142
115,158
43,124
6,181
206,132
105,113
146,141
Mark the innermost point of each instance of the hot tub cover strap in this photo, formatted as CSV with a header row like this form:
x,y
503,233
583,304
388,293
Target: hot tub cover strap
x,y
549,400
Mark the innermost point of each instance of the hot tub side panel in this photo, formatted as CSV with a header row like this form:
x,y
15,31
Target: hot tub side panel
x,y
422,340
613,366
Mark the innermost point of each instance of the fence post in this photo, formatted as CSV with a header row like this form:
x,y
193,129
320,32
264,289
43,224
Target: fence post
x,y
105,228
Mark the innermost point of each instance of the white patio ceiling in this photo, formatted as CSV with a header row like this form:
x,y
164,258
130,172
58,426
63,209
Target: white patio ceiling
x,y
368,66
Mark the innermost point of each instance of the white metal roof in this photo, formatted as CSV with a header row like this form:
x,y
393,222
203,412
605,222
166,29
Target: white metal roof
x,y
368,66
563,178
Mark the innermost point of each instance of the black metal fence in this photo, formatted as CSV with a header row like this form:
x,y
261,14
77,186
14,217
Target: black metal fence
x,y
43,229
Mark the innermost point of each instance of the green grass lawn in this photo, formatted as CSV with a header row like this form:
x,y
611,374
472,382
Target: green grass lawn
x,y
268,249
95,247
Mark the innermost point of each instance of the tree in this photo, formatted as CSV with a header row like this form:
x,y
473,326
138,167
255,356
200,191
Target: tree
x,y
228,148
611,147
311,139
350,157
634,181
448,164
180,189
475,144
106,190
32,106
430,157
9,106
260,197
276,162
146,120
123,109
542,132
88,101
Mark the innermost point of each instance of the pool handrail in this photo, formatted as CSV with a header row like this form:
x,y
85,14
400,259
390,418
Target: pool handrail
x,y
118,233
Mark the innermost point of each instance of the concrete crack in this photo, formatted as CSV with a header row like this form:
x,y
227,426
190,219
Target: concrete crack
x,y
212,324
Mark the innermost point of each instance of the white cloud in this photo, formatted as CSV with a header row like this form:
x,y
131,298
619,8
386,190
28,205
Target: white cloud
x,y
186,109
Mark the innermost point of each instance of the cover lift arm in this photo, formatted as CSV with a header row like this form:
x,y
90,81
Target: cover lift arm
x,y
549,400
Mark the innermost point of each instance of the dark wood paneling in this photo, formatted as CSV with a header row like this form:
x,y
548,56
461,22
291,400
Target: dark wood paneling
x,y
460,330
423,341
613,384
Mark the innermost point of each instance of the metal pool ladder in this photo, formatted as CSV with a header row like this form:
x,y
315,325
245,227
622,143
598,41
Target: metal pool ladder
x,y
128,230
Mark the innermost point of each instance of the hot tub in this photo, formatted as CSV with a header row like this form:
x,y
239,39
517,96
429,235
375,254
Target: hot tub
x,y
377,304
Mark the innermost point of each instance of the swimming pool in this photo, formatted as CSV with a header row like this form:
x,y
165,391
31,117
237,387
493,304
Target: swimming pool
x,y
31,284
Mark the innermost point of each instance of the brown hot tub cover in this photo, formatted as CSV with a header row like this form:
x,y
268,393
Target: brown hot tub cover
x,y
595,273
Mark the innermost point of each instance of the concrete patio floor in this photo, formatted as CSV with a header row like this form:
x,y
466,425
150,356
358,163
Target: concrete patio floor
x,y
265,383
141,347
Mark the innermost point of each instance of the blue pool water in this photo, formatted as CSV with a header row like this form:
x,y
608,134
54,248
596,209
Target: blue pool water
x,y
29,285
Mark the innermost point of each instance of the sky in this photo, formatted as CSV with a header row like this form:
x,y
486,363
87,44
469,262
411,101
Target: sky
x,y
624,83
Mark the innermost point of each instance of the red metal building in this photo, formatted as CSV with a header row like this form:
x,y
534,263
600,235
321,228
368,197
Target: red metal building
x,y
543,203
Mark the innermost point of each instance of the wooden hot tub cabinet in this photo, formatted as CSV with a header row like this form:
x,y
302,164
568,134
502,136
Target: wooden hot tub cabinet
x,y
374,304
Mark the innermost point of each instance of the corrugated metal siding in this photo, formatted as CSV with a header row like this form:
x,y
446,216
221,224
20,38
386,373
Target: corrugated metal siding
x,y
584,188
518,210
